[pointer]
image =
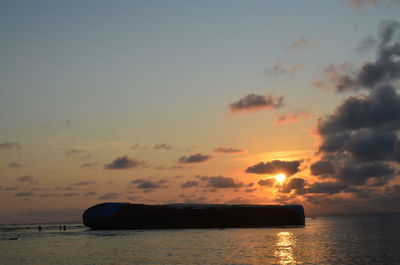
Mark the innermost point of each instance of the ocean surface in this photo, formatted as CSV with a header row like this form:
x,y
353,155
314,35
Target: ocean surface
x,y
324,240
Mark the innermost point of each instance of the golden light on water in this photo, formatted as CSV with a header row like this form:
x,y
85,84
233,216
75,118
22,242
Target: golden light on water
x,y
285,242
280,178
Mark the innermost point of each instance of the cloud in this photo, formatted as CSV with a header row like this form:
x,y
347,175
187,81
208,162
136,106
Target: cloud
x,y
299,44
28,179
296,184
148,185
219,182
138,146
109,196
275,167
335,77
9,146
73,151
83,183
89,165
14,165
2,188
229,150
24,194
329,187
162,146
293,117
359,153
124,162
70,194
91,193
359,4
196,158
384,70
280,68
269,182
190,184
253,102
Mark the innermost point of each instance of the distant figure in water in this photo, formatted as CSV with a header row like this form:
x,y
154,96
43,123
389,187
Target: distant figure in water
x,y
60,227
39,228
65,228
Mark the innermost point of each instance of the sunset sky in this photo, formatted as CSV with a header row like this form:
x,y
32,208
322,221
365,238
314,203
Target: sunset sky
x,y
198,102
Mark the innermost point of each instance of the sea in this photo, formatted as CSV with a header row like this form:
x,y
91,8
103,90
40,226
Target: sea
x,y
323,240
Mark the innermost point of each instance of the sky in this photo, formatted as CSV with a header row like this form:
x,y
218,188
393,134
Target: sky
x,y
236,102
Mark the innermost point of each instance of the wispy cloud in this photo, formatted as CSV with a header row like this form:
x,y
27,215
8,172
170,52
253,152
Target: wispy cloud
x,y
10,145
299,44
359,4
108,196
89,165
162,146
293,117
281,68
14,165
73,151
229,150
27,179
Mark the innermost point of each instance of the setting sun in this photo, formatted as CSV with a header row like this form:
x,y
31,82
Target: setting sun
x,y
280,178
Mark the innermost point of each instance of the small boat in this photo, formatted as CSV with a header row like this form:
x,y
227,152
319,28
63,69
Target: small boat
x,y
114,215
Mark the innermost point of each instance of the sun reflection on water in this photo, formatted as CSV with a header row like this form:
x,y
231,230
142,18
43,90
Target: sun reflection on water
x,y
285,242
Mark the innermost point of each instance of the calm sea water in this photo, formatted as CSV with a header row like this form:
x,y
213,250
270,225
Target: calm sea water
x,y
325,240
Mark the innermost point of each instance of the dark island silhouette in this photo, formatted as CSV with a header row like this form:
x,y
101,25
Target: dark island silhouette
x,y
114,215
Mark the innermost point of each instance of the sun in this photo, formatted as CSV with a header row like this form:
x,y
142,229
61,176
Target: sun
x,y
280,178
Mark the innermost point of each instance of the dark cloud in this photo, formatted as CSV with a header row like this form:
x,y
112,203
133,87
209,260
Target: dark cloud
x,y
91,193
229,150
322,168
2,188
162,146
196,158
124,162
70,194
109,196
219,182
297,184
329,187
148,185
83,183
379,109
24,194
45,195
385,68
28,179
252,102
360,145
190,184
275,167
73,151
9,146
14,165
269,182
